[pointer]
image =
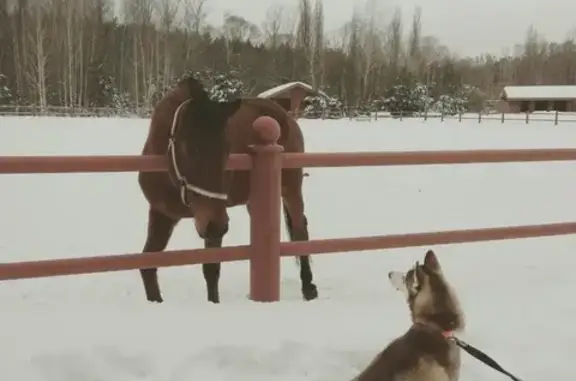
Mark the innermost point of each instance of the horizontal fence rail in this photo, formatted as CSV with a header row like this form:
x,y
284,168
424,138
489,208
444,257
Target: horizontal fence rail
x,y
108,263
352,113
397,241
265,250
154,163
99,163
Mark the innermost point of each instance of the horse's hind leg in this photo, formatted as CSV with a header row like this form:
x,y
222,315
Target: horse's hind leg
x,y
297,226
160,228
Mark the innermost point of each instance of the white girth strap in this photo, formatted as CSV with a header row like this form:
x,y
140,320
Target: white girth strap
x,y
184,184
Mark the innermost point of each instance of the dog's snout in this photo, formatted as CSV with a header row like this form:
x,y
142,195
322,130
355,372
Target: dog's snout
x,y
390,275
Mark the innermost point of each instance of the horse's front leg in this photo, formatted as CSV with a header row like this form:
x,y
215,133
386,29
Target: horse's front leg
x,y
211,271
160,228
212,230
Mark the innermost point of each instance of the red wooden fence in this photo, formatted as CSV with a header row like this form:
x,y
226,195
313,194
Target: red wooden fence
x,y
265,248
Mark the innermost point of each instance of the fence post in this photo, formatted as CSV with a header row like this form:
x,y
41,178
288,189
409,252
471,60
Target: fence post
x,y
264,207
556,118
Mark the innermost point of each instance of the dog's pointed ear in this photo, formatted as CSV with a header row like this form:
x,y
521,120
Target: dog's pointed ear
x,y
431,261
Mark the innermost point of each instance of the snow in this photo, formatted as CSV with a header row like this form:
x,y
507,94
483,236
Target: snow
x,y
517,295
282,88
535,92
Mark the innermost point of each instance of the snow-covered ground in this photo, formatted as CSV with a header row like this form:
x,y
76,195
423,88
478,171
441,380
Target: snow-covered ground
x,y
517,295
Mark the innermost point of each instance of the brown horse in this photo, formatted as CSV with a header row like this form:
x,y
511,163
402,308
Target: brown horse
x,y
197,135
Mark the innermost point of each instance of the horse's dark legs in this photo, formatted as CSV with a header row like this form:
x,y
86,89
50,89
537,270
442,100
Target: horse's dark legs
x,y
160,228
213,238
297,226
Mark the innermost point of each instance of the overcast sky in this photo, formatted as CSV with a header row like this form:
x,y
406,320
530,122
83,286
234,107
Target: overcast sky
x,y
467,27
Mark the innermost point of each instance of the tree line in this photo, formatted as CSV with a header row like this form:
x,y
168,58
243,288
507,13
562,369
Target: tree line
x,y
101,53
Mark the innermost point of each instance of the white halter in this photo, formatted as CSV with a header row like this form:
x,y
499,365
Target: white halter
x,y
184,184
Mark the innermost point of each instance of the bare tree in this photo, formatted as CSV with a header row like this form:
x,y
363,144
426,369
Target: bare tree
x,y
371,48
237,28
138,13
394,44
166,10
352,70
304,40
317,49
195,14
273,26
414,51
20,46
37,37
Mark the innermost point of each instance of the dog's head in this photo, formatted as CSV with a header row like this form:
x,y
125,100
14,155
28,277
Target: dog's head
x,y
429,296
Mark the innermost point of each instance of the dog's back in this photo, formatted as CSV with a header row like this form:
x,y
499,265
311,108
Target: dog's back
x,y
422,354
425,352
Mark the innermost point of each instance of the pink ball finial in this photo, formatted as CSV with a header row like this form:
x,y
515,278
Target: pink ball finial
x,y
268,129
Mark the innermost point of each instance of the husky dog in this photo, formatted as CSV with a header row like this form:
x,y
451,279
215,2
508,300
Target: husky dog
x,y
425,352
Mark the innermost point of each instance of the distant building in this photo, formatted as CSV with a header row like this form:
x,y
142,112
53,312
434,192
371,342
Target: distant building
x,y
517,99
289,95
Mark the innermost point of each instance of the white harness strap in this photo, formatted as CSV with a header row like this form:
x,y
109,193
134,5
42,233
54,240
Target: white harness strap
x,y
184,184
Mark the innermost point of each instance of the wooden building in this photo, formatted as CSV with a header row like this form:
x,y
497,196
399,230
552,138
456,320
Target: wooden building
x,y
521,99
289,95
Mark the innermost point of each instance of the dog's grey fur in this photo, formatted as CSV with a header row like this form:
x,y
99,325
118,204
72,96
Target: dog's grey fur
x,y
424,353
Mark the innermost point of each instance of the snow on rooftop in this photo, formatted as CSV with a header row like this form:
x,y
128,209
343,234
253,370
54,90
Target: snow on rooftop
x,y
539,92
282,88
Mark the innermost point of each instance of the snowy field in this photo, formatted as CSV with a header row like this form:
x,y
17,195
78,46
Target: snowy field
x,y
517,295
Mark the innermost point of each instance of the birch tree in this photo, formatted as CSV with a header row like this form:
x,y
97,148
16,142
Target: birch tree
x,y
414,51
273,26
167,10
194,21
304,39
371,49
317,51
394,44
38,57
138,13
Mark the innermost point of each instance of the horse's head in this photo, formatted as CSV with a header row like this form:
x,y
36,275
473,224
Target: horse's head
x,y
201,137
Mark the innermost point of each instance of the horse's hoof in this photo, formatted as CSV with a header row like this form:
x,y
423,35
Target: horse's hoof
x,y
156,300
310,292
214,299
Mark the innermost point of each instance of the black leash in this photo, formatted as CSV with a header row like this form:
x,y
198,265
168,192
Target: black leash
x,y
483,357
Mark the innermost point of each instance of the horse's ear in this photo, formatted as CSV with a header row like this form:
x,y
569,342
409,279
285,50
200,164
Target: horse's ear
x,y
196,89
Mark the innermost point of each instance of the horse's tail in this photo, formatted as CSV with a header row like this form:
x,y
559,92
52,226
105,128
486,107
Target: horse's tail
x,y
289,229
